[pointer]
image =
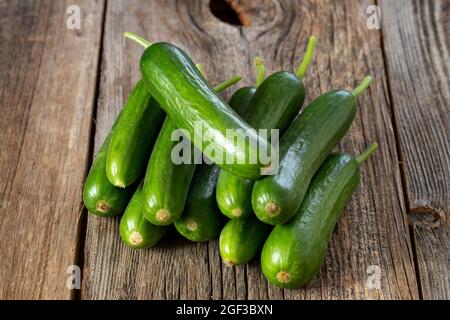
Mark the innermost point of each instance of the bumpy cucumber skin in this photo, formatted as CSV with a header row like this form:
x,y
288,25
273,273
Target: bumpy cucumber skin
x,y
303,148
275,103
135,230
175,82
294,252
241,239
201,212
166,184
100,197
201,220
133,137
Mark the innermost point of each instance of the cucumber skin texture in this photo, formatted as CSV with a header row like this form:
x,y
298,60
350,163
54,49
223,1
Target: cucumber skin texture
x,y
241,239
166,184
299,246
232,195
275,103
133,221
97,187
303,148
133,137
240,100
175,82
201,207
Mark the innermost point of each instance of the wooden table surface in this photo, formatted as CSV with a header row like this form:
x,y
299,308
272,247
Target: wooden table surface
x,y
61,89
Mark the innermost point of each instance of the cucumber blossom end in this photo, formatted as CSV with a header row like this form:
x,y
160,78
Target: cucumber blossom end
x,y
192,225
135,238
229,263
102,206
272,209
163,215
236,212
283,277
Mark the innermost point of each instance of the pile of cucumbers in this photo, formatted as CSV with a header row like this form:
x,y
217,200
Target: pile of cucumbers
x,y
290,213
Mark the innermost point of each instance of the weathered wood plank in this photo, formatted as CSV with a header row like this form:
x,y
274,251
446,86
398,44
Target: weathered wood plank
x,y
373,231
47,83
416,43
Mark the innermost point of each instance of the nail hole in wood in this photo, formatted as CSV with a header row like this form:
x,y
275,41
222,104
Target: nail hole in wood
x,y
229,11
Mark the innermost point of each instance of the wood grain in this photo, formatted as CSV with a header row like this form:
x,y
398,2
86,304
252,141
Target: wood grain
x,y
47,84
372,231
416,43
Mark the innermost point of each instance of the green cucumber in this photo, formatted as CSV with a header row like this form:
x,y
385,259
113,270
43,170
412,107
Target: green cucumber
x,y
276,102
240,100
100,197
135,230
133,137
241,239
201,220
189,100
303,148
294,252
166,184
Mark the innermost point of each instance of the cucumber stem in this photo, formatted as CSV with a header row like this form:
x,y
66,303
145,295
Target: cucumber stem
x,y
366,154
301,71
365,83
260,71
227,83
221,86
201,69
132,36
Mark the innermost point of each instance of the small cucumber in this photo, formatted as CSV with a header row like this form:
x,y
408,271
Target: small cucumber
x,y
189,100
303,148
133,137
135,230
166,184
294,252
241,239
201,220
100,197
276,102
